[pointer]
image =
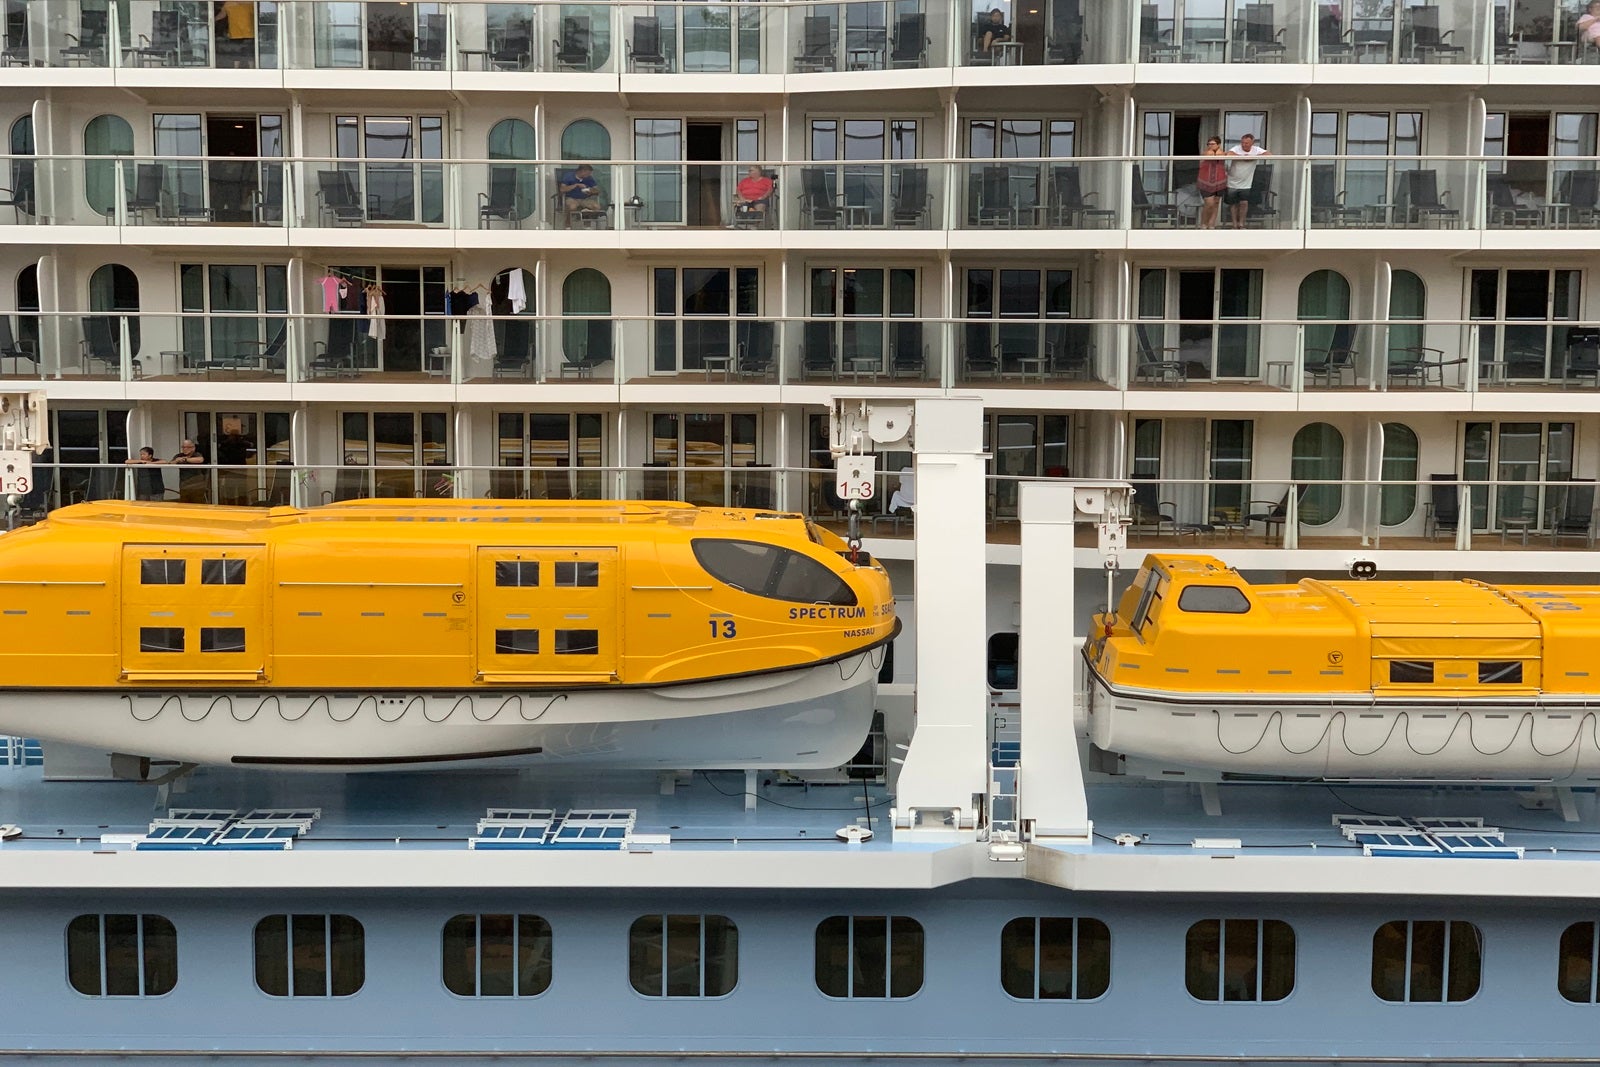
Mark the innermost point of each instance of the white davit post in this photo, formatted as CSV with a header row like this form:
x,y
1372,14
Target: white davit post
x,y
24,431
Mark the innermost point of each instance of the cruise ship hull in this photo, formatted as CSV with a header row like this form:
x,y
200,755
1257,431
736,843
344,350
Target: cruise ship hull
x,y
1350,736
809,717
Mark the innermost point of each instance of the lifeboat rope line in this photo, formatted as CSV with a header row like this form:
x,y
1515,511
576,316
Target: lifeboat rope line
x,y
1589,718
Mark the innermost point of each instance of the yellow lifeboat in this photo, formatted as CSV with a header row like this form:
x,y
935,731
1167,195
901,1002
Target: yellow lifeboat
x,y
1199,671
378,634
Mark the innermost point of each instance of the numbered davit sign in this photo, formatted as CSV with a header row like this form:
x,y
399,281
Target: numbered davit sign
x,y
856,477
24,426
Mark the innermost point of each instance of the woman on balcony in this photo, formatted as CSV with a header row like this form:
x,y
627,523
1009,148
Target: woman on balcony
x,y
1213,182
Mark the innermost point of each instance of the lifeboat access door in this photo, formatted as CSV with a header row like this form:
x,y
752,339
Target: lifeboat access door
x,y
193,613
548,616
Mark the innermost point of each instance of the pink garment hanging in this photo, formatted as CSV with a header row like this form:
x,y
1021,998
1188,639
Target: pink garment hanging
x,y
333,289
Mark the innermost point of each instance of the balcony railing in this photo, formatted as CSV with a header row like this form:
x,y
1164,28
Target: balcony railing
x,y
618,37
1059,353
1432,512
1282,192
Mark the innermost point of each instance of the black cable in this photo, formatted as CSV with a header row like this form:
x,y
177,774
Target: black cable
x,y
779,803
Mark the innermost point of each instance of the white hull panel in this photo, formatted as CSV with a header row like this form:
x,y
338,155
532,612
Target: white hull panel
x,y
810,717
1346,737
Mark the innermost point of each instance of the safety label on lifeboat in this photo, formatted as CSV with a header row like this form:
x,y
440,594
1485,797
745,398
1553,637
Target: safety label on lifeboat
x,y
16,472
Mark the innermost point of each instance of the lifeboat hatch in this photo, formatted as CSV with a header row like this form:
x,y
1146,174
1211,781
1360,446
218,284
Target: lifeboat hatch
x,y
548,615
193,612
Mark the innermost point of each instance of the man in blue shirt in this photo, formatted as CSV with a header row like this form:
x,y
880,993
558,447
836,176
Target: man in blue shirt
x,y
580,190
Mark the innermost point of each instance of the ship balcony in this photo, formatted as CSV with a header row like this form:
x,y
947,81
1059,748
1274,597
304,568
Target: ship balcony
x,y
482,45
1271,364
1320,202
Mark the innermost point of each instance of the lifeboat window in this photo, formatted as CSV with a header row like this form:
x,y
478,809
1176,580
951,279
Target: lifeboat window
x,y
221,571
577,642
1426,961
310,955
1578,968
516,642
683,955
1410,671
771,571
1154,585
1214,600
580,573
222,639
1500,672
516,572
122,955
869,956
497,955
1003,673
1055,958
161,571
1239,960
160,639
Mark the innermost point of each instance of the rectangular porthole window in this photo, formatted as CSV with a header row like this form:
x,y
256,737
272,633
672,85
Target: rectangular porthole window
x,y
221,572
577,642
222,639
160,639
161,571
497,955
1426,961
1239,960
1055,958
122,955
683,955
1504,672
1410,671
516,642
580,573
515,572
869,956
310,955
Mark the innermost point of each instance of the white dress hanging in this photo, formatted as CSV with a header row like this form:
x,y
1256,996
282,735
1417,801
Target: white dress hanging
x,y
481,349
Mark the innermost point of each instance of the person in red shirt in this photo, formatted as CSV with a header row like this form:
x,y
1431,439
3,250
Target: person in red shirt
x,y
754,190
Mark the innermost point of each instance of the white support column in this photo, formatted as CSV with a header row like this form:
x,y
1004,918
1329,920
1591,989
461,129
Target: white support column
x,y
946,768
1050,780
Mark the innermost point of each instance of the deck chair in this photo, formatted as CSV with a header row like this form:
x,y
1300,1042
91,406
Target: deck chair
x,y
164,41
1503,207
1573,513
1328,365
1154,366
101,343
515,349
1064,43
268,355
1067,350
816,46
902,506
1151,515
1442,512
1420,201
88,47
757,214
755,353
1328,207
980,356
1583,356
1333,40
1580,191
820,358
149,180
514,49
20,197
572,49
995,204
335,357
1275,514
1264,201
911,198
586,347
16,351
427,51
908,357
1070,206
820,209
1426,43
910,46
1259,36
1149,209
337,199
644,51
501,200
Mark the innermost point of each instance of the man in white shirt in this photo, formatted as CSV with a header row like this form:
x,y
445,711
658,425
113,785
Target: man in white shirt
x,y
1242,177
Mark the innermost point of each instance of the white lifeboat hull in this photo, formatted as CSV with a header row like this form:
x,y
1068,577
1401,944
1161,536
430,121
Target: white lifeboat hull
x,y
809,717
1351,736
